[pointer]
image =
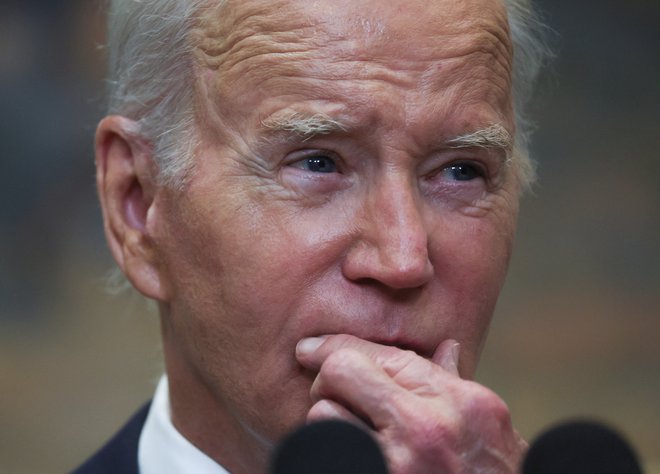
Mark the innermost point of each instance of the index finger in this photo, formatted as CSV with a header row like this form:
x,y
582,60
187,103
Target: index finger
x,y
312,353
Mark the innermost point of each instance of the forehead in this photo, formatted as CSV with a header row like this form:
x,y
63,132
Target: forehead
x,y
354,27
318,48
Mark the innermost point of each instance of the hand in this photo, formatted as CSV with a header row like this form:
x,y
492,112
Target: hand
x,y
426,418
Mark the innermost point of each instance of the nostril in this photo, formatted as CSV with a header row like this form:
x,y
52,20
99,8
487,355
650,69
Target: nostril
x,y
398,278
389,292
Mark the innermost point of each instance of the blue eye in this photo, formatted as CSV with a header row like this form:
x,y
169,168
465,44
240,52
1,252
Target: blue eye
x,y
463,172
317,164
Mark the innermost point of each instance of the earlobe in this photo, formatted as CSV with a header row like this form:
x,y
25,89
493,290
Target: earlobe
x,y
126,177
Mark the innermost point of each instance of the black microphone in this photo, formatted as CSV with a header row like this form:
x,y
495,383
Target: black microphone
x,y
581,447
328,447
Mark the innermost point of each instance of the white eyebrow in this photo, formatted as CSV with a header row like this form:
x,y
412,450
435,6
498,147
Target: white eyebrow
x,y
304,126
494,136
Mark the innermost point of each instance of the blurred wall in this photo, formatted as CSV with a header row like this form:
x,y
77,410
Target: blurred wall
x,y
577,331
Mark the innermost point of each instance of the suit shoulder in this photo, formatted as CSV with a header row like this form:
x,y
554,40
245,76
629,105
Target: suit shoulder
x,y
119,455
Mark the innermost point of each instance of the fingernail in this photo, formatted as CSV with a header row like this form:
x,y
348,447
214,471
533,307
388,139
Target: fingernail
x,y
327,409
455,351
308,345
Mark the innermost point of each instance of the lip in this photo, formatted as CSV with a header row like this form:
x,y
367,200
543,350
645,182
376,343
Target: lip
x,y
405,328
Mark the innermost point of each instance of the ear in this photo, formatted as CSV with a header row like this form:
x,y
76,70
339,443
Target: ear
x,y
126,181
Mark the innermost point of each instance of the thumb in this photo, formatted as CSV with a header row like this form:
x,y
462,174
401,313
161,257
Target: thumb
x,y
446,356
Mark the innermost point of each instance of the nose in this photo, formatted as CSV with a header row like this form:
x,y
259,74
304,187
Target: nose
x,y
392,241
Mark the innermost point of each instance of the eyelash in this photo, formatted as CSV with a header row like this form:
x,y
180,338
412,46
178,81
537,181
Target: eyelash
x,y
476,170
301,160
305,157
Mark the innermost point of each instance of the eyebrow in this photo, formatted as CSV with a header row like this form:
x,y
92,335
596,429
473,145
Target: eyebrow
x,y
494,136
304,126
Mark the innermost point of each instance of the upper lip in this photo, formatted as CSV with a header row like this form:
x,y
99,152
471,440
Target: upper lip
x,y
396,327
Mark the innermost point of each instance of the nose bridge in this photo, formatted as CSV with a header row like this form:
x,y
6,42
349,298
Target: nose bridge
x,y
396,222
394,247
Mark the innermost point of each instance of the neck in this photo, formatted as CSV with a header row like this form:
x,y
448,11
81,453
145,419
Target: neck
x,y
205,420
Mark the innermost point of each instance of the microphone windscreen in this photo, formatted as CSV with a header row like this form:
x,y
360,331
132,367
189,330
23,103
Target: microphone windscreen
x,y
328,447
580,447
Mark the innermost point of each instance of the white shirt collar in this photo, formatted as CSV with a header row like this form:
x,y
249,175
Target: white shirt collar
x,y
162,449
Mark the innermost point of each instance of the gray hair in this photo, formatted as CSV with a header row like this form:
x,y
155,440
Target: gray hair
x,y
151,76
150,66
530,54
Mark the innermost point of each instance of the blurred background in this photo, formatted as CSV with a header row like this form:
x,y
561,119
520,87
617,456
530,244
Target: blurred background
x,y
577,330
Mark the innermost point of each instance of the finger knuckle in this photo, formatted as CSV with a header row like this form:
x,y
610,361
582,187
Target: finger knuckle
x,y
484,403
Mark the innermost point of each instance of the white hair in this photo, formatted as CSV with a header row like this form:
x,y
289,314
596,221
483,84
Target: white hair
x,y
151,80
151,76
530,53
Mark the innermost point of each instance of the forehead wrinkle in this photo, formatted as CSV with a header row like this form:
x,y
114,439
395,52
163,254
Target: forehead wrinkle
x,y
273,49
227,35
246,32
249,47
487,47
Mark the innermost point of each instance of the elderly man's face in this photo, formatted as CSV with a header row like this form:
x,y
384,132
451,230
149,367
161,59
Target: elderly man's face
x,y
339,188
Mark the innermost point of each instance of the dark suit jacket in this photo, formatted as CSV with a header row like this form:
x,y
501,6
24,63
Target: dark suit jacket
x,y
119,455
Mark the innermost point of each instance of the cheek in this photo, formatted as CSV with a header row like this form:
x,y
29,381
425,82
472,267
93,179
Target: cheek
x,y
471,258
245,277
242,298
